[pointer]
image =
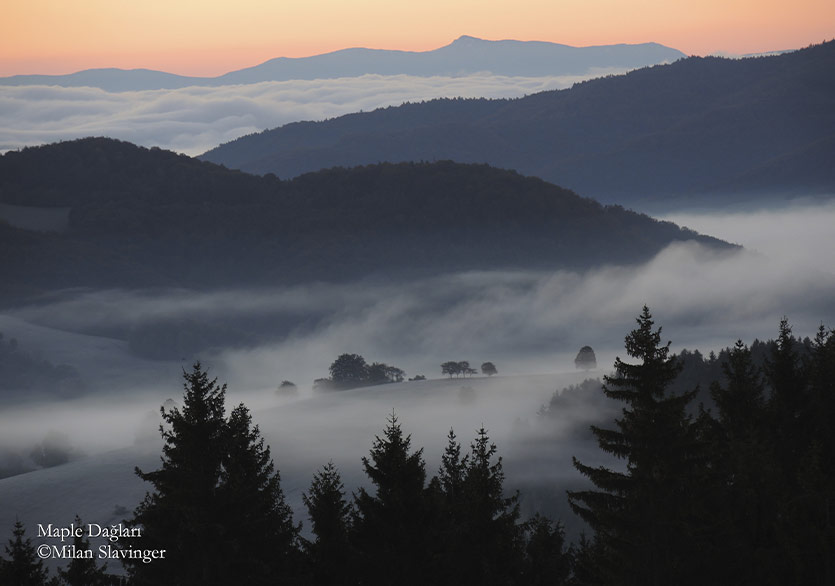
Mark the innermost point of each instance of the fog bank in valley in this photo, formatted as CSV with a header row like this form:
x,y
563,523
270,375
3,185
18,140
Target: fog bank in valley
x,y
799,233
530,324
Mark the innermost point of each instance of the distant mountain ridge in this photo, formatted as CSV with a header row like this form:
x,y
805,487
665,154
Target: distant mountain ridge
x,y
466,55
147,218
660,134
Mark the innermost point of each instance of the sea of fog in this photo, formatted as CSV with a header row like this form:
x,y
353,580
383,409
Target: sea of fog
x,y
529,324
195,119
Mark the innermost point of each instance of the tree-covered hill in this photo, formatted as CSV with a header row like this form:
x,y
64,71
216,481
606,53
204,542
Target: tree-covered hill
x,y
142,218
704,126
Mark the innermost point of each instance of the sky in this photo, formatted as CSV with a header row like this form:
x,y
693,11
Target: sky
x,y
208,37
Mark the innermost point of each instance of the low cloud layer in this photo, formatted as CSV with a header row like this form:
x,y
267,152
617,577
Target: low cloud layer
x,y
194,119
526,322
800,234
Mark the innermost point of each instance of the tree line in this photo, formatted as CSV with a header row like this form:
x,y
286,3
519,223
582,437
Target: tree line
x,y
218,511
739,495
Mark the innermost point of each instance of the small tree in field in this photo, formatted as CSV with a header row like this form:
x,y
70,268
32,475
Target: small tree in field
x,y
450,368
586,360
489,369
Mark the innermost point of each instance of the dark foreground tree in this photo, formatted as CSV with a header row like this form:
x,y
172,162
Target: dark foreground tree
x,y
262,538
23,567
646,516
547,560
492,550
83,571
743,460
330,554
392,527
216,507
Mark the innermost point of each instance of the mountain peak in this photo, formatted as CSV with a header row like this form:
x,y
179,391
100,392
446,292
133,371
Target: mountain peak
x,y
467,40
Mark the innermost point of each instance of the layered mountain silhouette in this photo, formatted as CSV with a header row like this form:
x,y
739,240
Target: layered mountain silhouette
x,y
466,55
709,127
143,218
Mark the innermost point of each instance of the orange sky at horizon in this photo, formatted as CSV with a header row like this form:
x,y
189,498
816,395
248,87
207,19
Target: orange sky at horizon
x,y
205,37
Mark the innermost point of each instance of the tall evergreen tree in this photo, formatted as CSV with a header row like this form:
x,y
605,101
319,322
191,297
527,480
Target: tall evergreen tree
x,y
216,508
23,568
330,554
547,561
392,526
748,482
482,541
492,550
182,514
446,493
789,400
453,471
802,407
256,517
645,516
83,571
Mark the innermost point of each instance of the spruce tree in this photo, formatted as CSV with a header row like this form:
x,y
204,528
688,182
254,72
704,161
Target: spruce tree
x,y
391,526
23,568
492,550
547,562
789,401
446,491
83,571
646,515
217,507
802,406
182,514
748,481
452,472
482,541
258,523
330,554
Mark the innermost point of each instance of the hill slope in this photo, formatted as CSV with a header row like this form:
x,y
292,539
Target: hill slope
x,y
700,125
466,55
140,218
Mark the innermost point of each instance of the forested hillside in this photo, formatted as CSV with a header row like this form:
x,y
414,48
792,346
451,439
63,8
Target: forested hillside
x,y
142,218
701,126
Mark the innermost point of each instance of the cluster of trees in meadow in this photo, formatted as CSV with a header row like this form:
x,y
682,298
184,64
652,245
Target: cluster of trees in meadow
x,y
349,371
741,493
462,368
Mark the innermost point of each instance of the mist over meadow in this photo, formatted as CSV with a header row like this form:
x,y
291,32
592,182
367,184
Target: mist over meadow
x,y
526,322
